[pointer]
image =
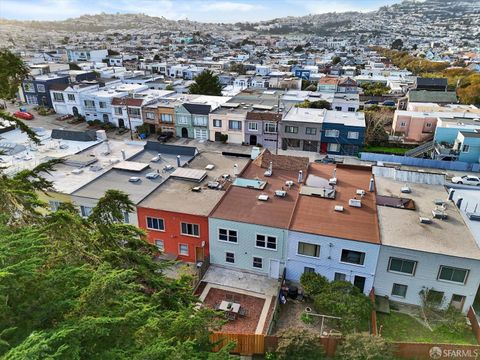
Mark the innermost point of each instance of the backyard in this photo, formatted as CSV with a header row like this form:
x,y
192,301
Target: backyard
x,y
398,326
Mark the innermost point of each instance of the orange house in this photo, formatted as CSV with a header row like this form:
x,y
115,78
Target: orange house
x,y
175,215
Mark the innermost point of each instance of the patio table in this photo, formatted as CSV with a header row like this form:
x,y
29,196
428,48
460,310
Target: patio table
x,y
235,308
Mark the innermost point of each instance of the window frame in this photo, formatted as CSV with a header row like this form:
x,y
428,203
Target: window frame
x,y
41,88
267,125
149,115
415,263
253,262
339,273
70,96
402,286
252,123
228,235
168,118
310,256
83,212
350,263
238,122
467,272
180,249
291,127
266,236
233,257
356,137
339,147
193,226
328,133
308,131
217,121
157,241
59,94
150,228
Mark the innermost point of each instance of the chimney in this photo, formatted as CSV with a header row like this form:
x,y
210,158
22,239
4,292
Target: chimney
x,y
300,176
371,186
235,170
450,194
123,154
178,161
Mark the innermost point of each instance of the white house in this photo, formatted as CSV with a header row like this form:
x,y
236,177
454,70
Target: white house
x,y
66,98
75,55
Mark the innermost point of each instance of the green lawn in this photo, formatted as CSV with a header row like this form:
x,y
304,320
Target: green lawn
x,y
402,327
385,149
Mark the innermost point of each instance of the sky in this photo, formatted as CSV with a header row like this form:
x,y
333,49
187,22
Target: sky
x,y
198,10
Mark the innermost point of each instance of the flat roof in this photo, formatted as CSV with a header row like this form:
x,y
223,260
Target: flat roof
x,y
176,195
296,114
402,228
119,179
242,204
345,118
317,215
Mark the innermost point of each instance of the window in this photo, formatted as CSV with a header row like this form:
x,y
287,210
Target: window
x,y
352,135
102,104
295,143
267,242
217,123
308,249
183,119
90,104
166,118
85,211
452,274
332,133
227,235
310,131
435,297
58,97
399,290
200,120
338,108
402,266
340,277
428,125
353,257
126,217
29,87
160,245
54,205
134,111
351,109
257,262
271,128
183,249
333,147
253,126
307,269
41,88
291,129
71,97
118,111
230,257
150,115
403,124
190,229
466,148
31,99
155,224
234,125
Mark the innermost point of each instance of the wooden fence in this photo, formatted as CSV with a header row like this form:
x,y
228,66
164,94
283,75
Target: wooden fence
x,y
472,316
423,351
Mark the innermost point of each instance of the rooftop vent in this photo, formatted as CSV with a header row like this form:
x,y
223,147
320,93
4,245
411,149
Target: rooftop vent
x,y
210,167
439,213
263,197
425,220
280,193
405,189
289,183
168,167
355,203
332,181
95,168
196,189
213,185
77,171
152,175
339,208
361,192
134,179
156,158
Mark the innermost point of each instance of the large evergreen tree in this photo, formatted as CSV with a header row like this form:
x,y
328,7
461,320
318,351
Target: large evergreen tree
x,y
12,72
206,83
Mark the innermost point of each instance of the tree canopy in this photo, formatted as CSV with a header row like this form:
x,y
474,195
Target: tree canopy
x,y
206,84
12,72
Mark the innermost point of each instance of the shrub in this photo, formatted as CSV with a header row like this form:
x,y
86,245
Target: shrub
x,y
306,318
313,283
363,346
299,344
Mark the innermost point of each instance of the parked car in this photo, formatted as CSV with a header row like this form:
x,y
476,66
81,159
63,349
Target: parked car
x,y
466,179
23,115
165,136
371,102
388,103
326,160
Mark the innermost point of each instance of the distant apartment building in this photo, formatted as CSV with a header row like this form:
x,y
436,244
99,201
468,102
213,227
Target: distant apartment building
x,y
78,55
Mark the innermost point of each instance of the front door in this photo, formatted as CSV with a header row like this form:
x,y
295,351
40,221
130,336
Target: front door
x,y
121,123
458,301
218,136
184,133
253,140
274,268
151,128
199,254
75,111
359,282
323,148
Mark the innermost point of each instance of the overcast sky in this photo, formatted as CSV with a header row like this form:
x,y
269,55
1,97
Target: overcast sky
x,y
199,10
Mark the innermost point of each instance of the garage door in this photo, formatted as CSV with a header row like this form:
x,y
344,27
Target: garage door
x,y
200,134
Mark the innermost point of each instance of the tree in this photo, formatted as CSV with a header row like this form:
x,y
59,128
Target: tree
x,y
397,44
313,283
12,72
238,68
336,60
73,66
298,48
299,344
156,57
319,104
169,87
206,84
376,120
363,346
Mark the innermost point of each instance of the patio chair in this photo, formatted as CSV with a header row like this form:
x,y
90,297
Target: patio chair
x,y
242,312
230,316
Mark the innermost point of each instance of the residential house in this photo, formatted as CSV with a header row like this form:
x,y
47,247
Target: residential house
x,y
175,215
301,129
347,86
261,128
343,242
343,133
456,138
36,90
328,84
160,115
249,227
431,84
77,55
345,102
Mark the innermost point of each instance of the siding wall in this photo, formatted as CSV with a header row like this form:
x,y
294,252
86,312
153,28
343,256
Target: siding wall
x,y
245,248
329,262
426,273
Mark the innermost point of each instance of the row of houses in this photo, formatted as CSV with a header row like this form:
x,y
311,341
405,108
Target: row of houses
x,y
276,215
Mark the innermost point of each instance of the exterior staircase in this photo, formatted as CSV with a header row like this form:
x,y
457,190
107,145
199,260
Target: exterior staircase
x,y
420,150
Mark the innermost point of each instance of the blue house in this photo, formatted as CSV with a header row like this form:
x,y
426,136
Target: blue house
x,y
457,139
37,89
343,133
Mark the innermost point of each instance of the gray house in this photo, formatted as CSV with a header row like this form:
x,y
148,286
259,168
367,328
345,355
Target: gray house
x,y
261,128
301,129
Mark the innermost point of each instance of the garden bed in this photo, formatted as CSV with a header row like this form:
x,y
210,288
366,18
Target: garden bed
x,y
385,150
403,327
